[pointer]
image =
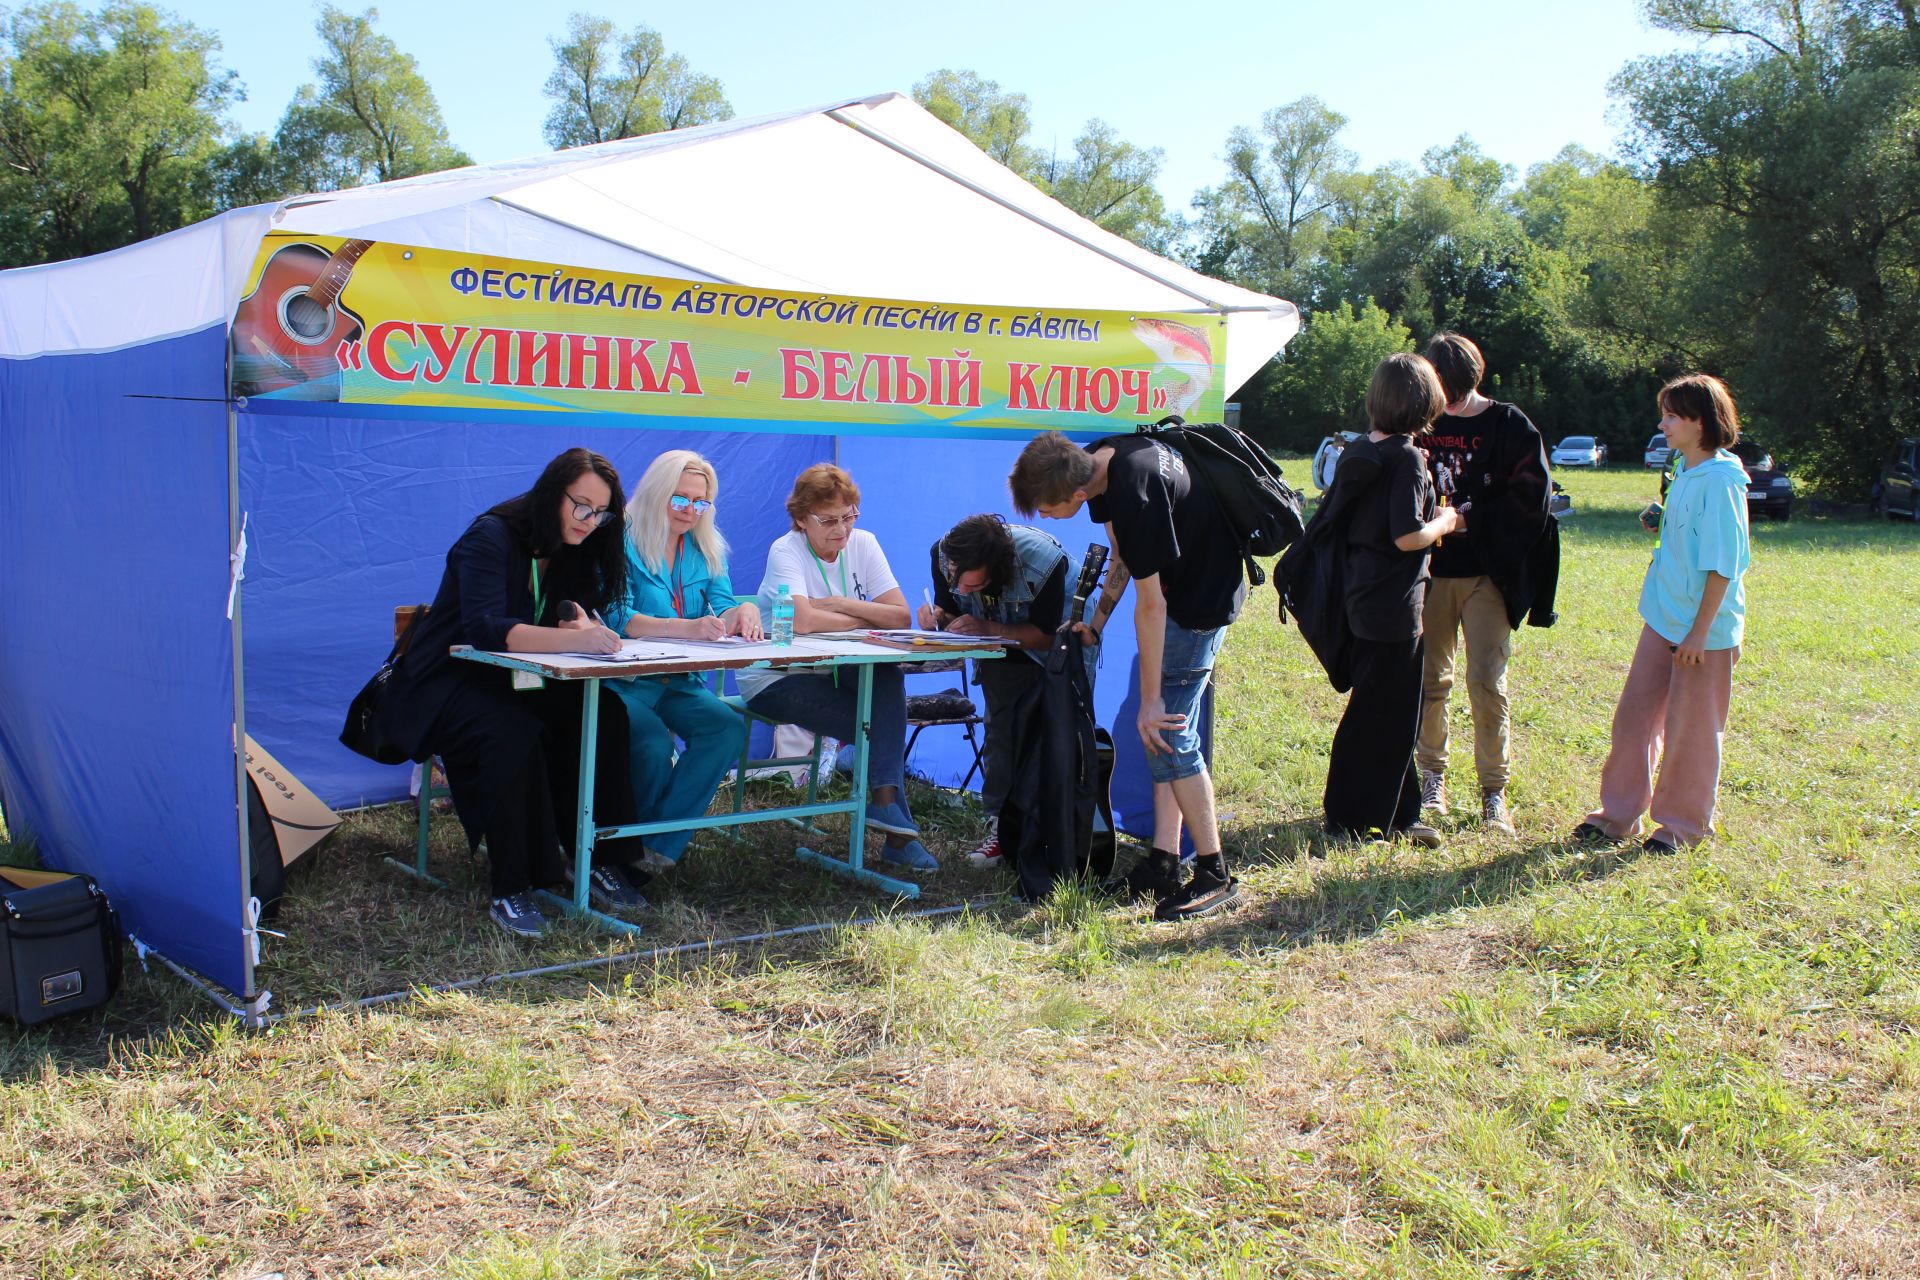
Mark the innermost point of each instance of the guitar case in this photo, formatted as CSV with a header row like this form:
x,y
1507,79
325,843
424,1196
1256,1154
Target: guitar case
x,y
1048,821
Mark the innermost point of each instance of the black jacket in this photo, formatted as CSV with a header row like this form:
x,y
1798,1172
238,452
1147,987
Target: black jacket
x,y
1518,541
1311,576
483,594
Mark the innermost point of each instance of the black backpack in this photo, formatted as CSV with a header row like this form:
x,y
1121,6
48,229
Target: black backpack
x,y
1261,506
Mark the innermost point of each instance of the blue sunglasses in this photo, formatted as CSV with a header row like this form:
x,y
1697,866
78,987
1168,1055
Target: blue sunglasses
x,y
681,502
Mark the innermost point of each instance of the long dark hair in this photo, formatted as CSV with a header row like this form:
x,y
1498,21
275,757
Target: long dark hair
x,y
593,574
981,542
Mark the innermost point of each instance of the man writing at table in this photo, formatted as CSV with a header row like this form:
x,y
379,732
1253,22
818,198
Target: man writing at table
x,y
1012,582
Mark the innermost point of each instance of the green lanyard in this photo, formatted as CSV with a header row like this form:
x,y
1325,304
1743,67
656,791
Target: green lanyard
x,y
537,597
823,569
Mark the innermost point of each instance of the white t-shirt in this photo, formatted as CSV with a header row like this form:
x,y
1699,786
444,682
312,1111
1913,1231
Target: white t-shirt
x,y
859,572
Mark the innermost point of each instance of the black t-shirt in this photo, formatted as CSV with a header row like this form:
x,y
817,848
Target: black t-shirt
x,y
1460,453
1163,525
1386,587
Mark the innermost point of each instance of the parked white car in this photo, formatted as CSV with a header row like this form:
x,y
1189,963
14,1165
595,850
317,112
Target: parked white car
x,y
1657,451
1579,451
1327,457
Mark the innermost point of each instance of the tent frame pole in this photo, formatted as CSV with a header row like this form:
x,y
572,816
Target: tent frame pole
x,y
255,1006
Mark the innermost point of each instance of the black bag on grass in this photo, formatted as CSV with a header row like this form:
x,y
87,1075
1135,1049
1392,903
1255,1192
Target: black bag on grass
x,y
60,945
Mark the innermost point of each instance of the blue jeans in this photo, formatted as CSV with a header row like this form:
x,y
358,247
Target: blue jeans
x,y
658,711
1186,666
817,703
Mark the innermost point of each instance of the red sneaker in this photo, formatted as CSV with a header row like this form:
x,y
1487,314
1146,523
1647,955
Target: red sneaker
x,y
988,854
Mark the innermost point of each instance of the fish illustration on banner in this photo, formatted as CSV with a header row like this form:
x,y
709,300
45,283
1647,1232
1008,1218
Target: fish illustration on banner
x,y
1185,371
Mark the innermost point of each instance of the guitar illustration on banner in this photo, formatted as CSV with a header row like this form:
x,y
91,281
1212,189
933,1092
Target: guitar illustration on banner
x,y
286,331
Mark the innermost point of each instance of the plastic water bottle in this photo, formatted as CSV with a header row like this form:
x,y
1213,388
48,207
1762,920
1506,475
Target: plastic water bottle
x,y
783,616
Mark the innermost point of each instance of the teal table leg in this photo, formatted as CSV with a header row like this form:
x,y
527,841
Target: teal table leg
x,y
583,820
854,865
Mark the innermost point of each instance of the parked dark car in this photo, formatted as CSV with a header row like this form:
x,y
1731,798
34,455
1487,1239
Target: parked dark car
x,y
1900,482
1769,487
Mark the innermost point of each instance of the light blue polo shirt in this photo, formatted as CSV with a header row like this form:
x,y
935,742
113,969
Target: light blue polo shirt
x,y
1703,530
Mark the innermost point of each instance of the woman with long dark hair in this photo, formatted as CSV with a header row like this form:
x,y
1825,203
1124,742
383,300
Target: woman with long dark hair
x,y
510,741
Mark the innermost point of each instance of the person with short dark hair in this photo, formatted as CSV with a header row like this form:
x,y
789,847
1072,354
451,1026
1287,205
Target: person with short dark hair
x,y
1180,551
510,742
1487,459
1693,606
1011,581
1391,521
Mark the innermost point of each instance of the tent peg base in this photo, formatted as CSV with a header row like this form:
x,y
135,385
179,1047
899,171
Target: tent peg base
x,y
841,867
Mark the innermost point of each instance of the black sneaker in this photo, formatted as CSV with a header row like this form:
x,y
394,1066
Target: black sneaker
x,y
1655,845
615,889
1155,875
1590,833
1201,896
518,916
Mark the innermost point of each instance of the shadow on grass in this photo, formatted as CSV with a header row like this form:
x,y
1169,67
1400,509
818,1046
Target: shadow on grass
x,y
357,927
1357,894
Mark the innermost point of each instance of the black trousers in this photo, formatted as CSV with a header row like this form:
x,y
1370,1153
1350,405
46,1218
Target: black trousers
x,y
1003,682
513,762
1371,779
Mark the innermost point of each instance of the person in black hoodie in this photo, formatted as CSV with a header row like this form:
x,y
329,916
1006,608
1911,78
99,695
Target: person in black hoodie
x,y
1488,460
510,742
1385,488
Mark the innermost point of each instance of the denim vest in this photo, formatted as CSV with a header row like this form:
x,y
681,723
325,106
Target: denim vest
x,y
1035,556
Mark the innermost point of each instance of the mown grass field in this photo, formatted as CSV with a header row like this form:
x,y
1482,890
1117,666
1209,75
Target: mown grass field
x,y
1506,1057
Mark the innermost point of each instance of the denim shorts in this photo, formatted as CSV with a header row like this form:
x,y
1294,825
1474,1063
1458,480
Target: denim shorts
x,y
1186,667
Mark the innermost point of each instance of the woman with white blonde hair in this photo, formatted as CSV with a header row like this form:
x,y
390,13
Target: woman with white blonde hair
x,y
678,588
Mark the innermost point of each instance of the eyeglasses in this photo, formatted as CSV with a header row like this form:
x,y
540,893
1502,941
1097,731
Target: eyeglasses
x,y
830,523
699,506
587,511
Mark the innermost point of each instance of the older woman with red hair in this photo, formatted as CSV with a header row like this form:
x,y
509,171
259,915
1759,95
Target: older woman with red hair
x,y
839,579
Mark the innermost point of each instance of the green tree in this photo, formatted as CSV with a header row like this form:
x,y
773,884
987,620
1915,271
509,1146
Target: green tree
x,y
1275,202
1790,134
1319,385
1110,181
605,86
995,121
106,121
369,116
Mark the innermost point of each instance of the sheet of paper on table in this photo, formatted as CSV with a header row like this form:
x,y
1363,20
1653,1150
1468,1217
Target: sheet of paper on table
x,y
630,651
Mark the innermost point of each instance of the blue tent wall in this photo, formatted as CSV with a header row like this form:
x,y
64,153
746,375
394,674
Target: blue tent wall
x,y
116,693
351,516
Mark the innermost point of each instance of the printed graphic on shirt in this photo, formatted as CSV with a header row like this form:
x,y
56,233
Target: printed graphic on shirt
x,y
1451,447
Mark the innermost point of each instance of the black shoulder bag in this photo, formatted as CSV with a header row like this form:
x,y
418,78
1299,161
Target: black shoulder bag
x,y
363,732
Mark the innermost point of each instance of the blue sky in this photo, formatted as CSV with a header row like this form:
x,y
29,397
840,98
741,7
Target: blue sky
x,y
1523,78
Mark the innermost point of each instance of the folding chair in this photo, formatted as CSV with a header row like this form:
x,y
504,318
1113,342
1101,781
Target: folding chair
x,y
927,711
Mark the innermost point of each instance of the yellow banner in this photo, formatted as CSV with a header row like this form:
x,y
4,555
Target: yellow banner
x,y
358,322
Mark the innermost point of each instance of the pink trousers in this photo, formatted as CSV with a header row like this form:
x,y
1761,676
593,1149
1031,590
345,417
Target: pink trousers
x,y
1684,709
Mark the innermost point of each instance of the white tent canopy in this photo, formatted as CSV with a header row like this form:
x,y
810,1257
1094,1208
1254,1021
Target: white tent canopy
x,y
871,197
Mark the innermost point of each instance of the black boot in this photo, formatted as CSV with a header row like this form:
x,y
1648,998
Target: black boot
x,y
1156,876
1210,890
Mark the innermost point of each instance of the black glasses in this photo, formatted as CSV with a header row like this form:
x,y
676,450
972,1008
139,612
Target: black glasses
x,y
699,506
587,511
830,523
